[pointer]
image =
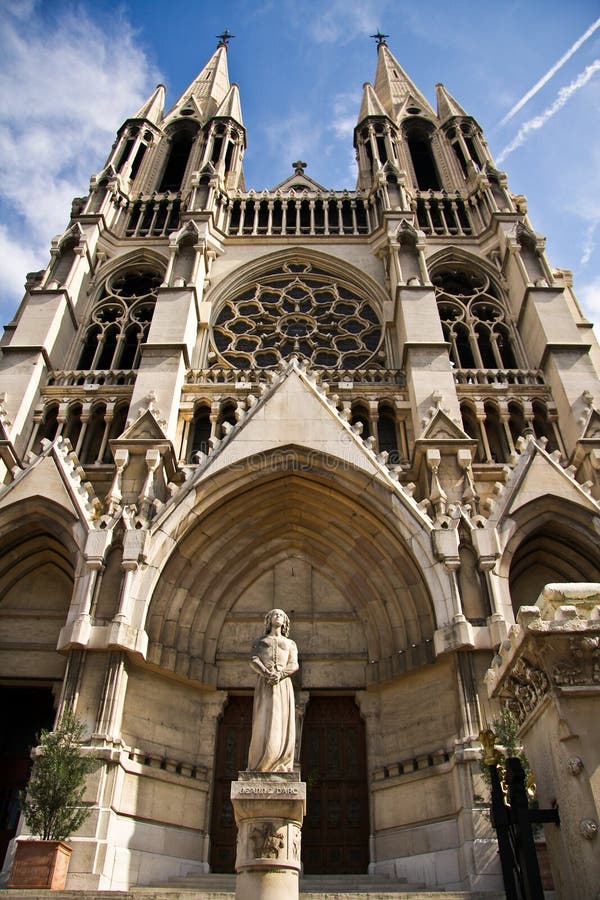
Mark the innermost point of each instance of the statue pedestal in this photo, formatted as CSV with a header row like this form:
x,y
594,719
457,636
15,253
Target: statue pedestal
x,y
269,808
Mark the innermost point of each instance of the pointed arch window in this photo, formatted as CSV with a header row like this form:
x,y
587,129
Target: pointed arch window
x,y
472,428
200,433
120,322
474,320
47,428
418,139
387,434
543,426
177,160
360,415
227,414
496,437
73,424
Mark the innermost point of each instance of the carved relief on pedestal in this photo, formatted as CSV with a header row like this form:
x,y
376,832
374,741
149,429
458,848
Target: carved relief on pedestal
x,y
582,662
274,840
267,841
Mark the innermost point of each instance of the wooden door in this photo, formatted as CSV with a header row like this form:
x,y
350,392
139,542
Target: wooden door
x,y
233,740
335,834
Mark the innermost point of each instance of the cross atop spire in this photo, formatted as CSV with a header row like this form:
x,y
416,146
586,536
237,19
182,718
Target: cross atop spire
x,y
224,38
299,167
380,38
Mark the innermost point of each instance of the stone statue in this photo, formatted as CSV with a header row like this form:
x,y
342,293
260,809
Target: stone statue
x,y
274,659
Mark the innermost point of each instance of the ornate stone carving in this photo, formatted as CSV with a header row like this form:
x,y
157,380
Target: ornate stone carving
x,y
575,765
581,664
268,841
525,688
588,828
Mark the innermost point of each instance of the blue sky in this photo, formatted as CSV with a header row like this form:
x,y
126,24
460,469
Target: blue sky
x,y
70,73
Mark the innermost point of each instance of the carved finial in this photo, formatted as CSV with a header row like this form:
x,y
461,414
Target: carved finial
x,y
224,38
380,38
299,167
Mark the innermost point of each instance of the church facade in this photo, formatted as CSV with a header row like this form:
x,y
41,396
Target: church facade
x,y
374,408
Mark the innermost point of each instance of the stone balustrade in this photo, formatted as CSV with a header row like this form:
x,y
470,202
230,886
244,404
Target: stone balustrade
x,y
82,378
498,376
155,216
346,377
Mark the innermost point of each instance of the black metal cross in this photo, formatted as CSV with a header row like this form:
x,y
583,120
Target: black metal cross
x,y
225,37
299,166
380,38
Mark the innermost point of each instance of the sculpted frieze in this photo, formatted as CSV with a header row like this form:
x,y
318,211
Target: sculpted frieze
x,y
525,688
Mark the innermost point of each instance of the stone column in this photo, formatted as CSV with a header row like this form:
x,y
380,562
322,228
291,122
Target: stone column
x,y
269,808
549,673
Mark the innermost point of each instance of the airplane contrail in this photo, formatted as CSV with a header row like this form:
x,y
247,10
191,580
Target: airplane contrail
x,y
563,96
545,78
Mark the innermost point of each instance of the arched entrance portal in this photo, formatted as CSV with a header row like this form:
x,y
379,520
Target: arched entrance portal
x,y
335,834
339,557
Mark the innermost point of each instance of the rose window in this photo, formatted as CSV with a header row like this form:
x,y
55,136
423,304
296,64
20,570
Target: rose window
x,y
301,311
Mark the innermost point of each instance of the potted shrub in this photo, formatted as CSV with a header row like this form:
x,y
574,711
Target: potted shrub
x,y
52,806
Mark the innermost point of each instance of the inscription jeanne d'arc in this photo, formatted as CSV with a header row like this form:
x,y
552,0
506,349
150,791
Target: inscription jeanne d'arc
x,y
241,789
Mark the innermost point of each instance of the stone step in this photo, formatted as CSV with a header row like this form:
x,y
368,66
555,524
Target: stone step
x,y
329,888
200,894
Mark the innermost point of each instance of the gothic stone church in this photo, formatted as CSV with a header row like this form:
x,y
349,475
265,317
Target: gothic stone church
x,y
374,408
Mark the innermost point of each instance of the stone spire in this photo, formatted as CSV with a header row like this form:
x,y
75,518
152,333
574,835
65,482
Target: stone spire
x,y
208,90
395,89
231,107
447,106
371,105
152,109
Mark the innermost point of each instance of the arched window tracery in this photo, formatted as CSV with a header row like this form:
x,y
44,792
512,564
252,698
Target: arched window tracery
x,y
474,320
303,311
120,322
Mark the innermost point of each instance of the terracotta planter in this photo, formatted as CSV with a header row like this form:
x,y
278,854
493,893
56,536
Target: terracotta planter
x,y
40,864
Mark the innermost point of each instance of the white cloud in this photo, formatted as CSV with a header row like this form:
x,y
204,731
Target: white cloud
x,y
345,111
564,95
589,298
65,87
589,243
551,72
342,21
295,137
15,261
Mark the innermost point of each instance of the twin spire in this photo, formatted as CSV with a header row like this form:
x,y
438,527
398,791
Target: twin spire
x,y
393,96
